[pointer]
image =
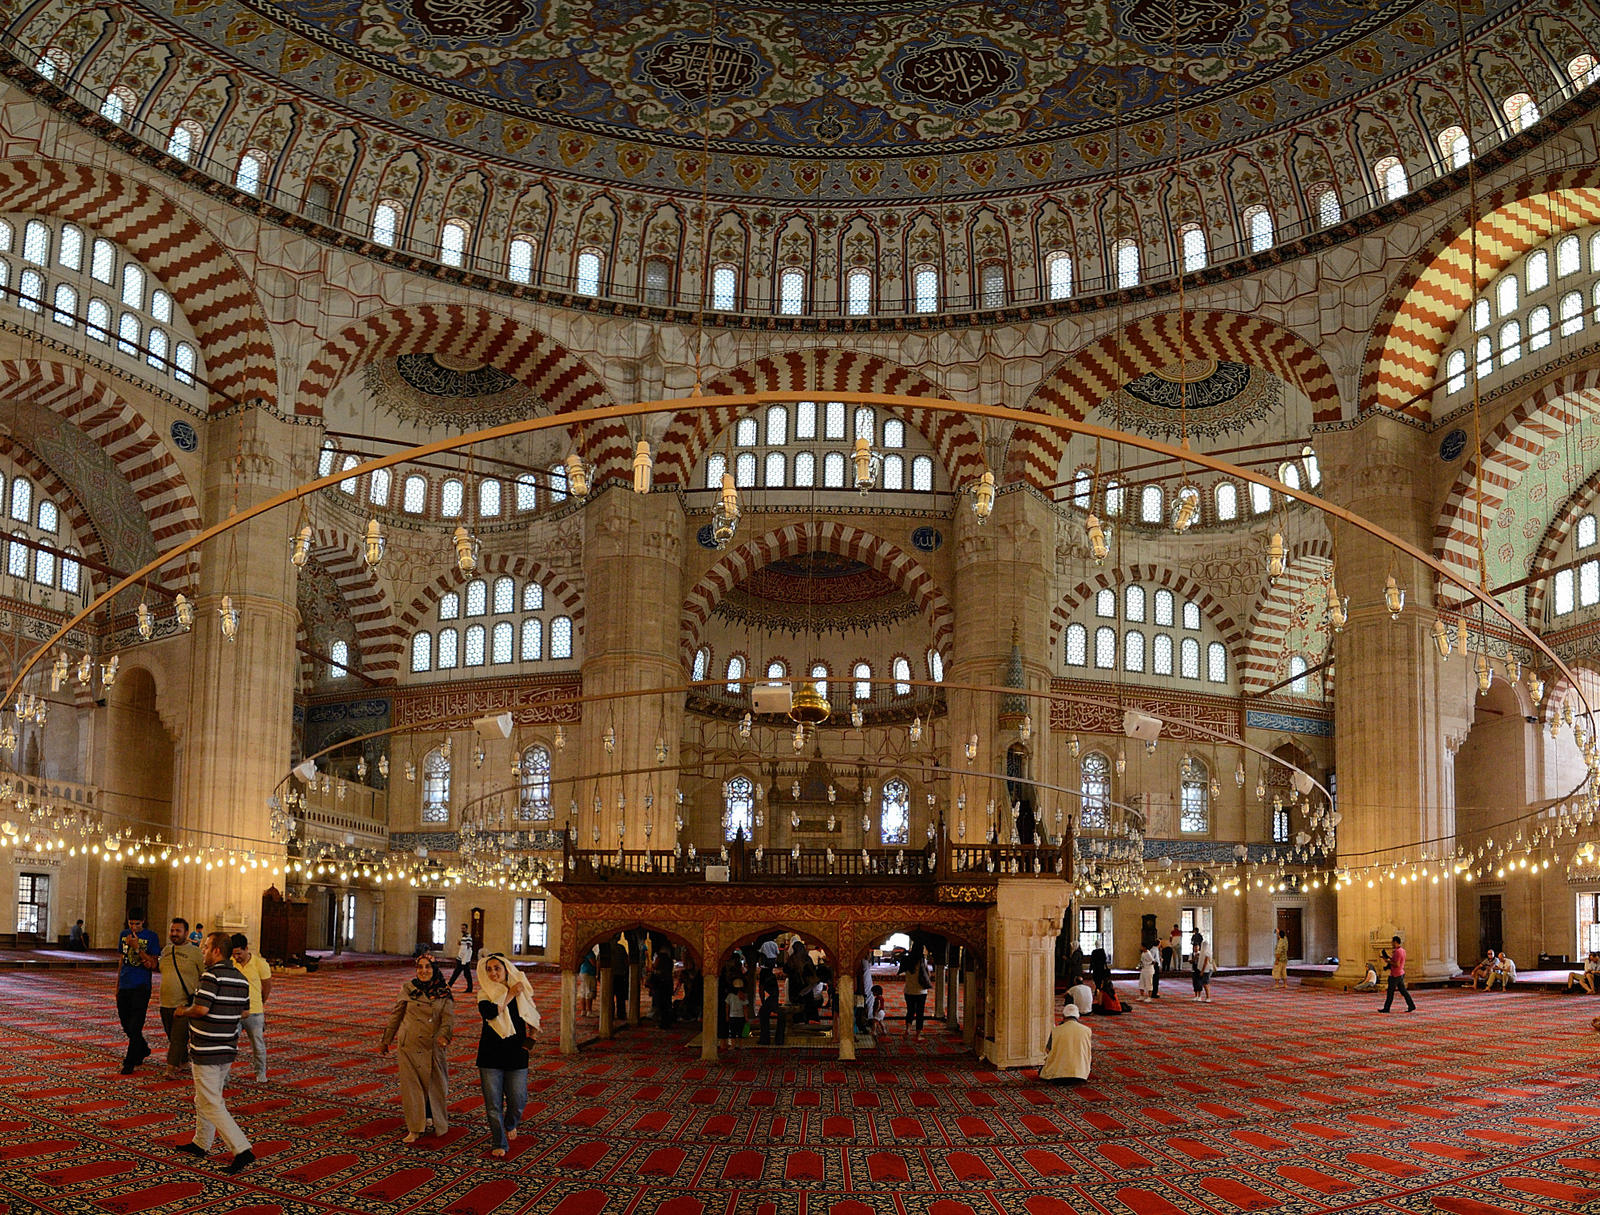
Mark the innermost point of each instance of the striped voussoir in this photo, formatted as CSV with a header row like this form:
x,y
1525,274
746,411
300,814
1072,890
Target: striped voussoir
x,y
75,396
1545,419
869,549
1148,576
379,641
1263,661
67,499
202,276
560,595
1436,288
691,433
559,378
1086,378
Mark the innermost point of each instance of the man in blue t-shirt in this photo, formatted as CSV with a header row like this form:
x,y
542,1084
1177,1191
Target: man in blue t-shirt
x,y
141,952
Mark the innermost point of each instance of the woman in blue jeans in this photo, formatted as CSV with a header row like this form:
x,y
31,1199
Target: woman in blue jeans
x,y
510,1023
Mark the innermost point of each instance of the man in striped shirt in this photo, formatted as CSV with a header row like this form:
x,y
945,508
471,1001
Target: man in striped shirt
x,y
222,997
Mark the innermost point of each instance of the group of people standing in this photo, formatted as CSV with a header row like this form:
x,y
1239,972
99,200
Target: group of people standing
x,y
421,1026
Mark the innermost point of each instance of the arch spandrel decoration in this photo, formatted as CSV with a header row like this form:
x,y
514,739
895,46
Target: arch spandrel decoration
x,y
690,434
558,377
871,549
1435,289
1086,378
215,295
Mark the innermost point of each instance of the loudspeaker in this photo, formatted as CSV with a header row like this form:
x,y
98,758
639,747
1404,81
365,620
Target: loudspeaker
x,y
1141,725
499,724
766,698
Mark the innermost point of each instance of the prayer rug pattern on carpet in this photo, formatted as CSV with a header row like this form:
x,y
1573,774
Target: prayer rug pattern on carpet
x,y
1298,1101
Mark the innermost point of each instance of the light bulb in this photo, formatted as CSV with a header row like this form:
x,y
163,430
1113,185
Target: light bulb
x,y
1074,746
1485,673
1183,515
643,468
1441,638
229,615
300,547
1122,761
1393,597
561,738
972,747
108,670
467,549
916,728
856,716
1338,609
744,725
185,612
983,496
147,624
577,478
1025,730
1098,547
375,544
1275,562
1238,775
862,459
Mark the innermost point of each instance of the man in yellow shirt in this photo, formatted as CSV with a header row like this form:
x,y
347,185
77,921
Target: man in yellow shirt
x,y
259,975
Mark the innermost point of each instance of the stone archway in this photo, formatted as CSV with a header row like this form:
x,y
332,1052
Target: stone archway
x,y
378,638
1150,576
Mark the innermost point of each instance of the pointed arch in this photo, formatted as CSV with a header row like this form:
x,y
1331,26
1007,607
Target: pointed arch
x,y
1275,613
1083,379
829,537
1435,288
690,434
203,277
1147,576
378,636
420,610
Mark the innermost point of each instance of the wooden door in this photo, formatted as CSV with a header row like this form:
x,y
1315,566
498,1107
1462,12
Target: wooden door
x,y
1489,924
425,911
136,901
475,927
1289,922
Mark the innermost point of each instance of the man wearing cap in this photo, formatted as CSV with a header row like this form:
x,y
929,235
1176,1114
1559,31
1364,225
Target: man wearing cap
x,y
1070,1049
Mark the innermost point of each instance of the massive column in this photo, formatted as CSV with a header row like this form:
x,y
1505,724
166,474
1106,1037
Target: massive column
x,y
1397,715
632,597
236,747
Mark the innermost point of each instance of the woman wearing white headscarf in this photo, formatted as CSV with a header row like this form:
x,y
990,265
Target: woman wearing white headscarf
x,y
510,1023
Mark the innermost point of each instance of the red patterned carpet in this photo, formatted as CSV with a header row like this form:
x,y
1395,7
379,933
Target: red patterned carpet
x,y
1295,1102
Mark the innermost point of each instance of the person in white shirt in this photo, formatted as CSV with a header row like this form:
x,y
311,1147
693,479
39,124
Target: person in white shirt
x,y
1585,978
1071,1049
1082,997
1149,961
1505,972
464,951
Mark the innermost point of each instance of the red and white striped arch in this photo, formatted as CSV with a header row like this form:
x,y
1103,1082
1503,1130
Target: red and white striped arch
x,y
378,638
49,485
201,275
1261,664
1437,287
566,598
1084,379
76,397
1150,577
559,378
827,537
690,434
1545,418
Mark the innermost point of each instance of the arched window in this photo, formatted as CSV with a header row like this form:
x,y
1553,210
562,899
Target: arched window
x,y
475,648
1133,603
657,282
739,803
69,249
1454,147
833,468
185,138
54,64
746,433
378,487
777,672
386,223
1133,651
1260,499
118,105
338,660
252,167
702,662
49,516
589,266
502,643
1570,311
325,458
716,466
452,495
488,498
902,676
1114,497
477,597
992,285
1391,175
744,469
1227,497
1324,202
1216,663
184,364
1520,111
1505,295
773,474
1151,504
1105,603
1455,370
1588,531
505,594
1083,488
1536,271
1095,774
1539,328
519,259
1105,648
532,639
1161,655
453,242
449,639
1289,474
777,425
922,474
1484,351
858,292
862,674
31,291
1192,247
1510,342
422,651
1258,228
317,205
724,287
527,492
1584,70
533,801
1189,658
414,496
1194,798
819,678
65,311
734,680
435,787
22,500
894,817
70,572
1058,275
791,292
925,288
935,666
1125,262
17,556
1297,675
1077,646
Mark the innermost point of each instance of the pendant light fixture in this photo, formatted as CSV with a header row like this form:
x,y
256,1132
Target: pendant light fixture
x,y
643,468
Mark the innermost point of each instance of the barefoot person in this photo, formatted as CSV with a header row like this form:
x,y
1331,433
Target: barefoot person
x,y
420,1025
510,1025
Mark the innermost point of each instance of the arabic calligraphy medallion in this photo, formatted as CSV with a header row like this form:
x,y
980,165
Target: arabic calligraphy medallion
x,y
955,77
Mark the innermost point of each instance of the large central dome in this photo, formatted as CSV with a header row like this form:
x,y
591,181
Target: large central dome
x,y
823,100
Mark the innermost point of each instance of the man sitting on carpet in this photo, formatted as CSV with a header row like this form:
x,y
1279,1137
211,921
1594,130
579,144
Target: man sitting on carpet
x,y
1483,971
1082,996
1071,1049
1585,978
1504,973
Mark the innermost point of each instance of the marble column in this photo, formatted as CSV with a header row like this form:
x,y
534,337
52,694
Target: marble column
x,y
607,1010
632,579
235,748
938,991
1400,711
569,1012
708,1020
844,1022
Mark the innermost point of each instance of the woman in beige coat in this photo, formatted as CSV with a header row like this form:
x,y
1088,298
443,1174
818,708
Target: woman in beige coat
x,y
421,1024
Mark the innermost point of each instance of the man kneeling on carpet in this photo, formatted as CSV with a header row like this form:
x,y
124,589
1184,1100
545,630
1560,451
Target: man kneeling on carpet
x,y
219,1002
1070,1049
